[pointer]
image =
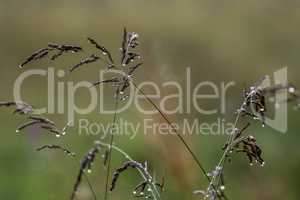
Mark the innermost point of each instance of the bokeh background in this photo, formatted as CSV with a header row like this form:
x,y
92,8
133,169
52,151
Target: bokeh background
x,y
220,40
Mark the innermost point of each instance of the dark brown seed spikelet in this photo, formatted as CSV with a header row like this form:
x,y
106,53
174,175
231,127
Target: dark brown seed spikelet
x,y
8,103
139,189
35,56
42,120
25,125
102,49
65,47
131,57
132,69
21,107
124,41
113,80
65,150
124,167
58,54
88,60
86,164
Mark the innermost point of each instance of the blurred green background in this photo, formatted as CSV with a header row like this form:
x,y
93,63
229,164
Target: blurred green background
x,y
220,40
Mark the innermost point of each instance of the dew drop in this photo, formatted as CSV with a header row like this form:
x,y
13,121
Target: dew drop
x,y
291,90
135,35
124,98
149,190
222,187
89,171
262,164
104,53
61,73
17,131
57,135
134,192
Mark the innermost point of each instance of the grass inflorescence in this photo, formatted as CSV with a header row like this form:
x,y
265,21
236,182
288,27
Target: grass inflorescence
x,y
253,107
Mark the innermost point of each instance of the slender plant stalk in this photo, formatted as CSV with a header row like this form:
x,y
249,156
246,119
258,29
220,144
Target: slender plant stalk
x,y
90,186
226,151
174,130
195,158
109,149
229,143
